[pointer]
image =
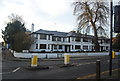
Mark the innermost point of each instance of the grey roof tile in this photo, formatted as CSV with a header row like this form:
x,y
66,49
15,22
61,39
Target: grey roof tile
x,y
64,34
54,33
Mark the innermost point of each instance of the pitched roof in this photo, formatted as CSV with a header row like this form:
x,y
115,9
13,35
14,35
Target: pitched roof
x,y
54,33
65,34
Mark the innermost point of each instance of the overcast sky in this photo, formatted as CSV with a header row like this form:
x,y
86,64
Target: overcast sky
x,y
45,14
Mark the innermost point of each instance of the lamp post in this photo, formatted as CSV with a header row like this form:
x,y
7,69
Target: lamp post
x,y
111,23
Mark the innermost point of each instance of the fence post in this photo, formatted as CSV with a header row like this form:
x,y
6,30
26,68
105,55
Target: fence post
x,y
98,76
46,56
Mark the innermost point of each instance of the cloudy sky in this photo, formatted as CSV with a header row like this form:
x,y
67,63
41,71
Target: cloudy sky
x,y
45,14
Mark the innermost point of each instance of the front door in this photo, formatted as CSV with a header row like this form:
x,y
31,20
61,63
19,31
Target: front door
x,y
67,48
101,48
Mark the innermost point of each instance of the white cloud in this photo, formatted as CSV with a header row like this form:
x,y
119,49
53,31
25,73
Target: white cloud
x,y
43,13
53,7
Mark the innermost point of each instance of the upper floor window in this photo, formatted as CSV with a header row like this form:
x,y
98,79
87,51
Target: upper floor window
x,y
53,38
65,39
107,41
85,40
72,38
43,36
77,39
58,38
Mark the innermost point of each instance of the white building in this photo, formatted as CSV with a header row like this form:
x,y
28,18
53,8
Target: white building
x,y
51,41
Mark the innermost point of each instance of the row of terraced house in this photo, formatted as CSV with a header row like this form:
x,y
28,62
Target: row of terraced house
x,y
52,41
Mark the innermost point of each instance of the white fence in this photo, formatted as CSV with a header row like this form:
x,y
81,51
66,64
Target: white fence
x,y
56,55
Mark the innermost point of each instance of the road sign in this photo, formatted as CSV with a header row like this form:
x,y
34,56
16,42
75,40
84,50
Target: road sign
x,y
117,19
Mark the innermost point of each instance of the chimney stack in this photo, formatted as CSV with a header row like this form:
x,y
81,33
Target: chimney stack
x,y
32,28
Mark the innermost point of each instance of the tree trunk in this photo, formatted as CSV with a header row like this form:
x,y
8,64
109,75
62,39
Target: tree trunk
x,y
96,46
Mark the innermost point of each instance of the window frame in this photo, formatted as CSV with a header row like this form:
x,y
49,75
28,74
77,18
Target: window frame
x,y
42,46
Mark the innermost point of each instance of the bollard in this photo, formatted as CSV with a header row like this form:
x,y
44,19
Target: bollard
x,y
66,59
98,76
113,54
34,61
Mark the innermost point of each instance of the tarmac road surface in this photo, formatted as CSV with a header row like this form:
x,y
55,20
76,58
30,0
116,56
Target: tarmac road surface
x,y
82,67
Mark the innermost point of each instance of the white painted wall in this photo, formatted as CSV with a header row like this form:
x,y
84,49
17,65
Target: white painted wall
x,y
54,55
40,41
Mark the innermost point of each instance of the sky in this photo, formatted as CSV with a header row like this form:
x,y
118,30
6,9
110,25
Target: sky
x,y
45,14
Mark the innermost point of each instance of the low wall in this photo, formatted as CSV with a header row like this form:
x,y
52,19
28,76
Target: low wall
x,y
56,55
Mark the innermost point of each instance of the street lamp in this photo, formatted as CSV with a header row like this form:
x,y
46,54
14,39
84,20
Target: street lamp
x,y
110,53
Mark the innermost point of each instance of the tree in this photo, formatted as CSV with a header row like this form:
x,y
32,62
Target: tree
x,y
14,32
13,26
89,15
116,42
22,41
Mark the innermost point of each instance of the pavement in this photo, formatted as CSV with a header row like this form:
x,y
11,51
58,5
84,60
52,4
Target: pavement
x,y
7,56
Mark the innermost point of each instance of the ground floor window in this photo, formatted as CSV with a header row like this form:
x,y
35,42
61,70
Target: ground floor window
x,y
55,46
60,46
107,48
42,46
77,46
85,47
90,47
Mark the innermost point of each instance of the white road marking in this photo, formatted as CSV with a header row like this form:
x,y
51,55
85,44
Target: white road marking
x,y
86,63
16,69
5,73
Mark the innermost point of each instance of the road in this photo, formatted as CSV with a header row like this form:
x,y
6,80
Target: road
x,y
82,67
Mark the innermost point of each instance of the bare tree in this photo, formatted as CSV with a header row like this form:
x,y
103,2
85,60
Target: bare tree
x,y
90,15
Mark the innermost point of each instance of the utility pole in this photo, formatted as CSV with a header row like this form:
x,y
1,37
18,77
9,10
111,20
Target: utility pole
x,y
111,31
